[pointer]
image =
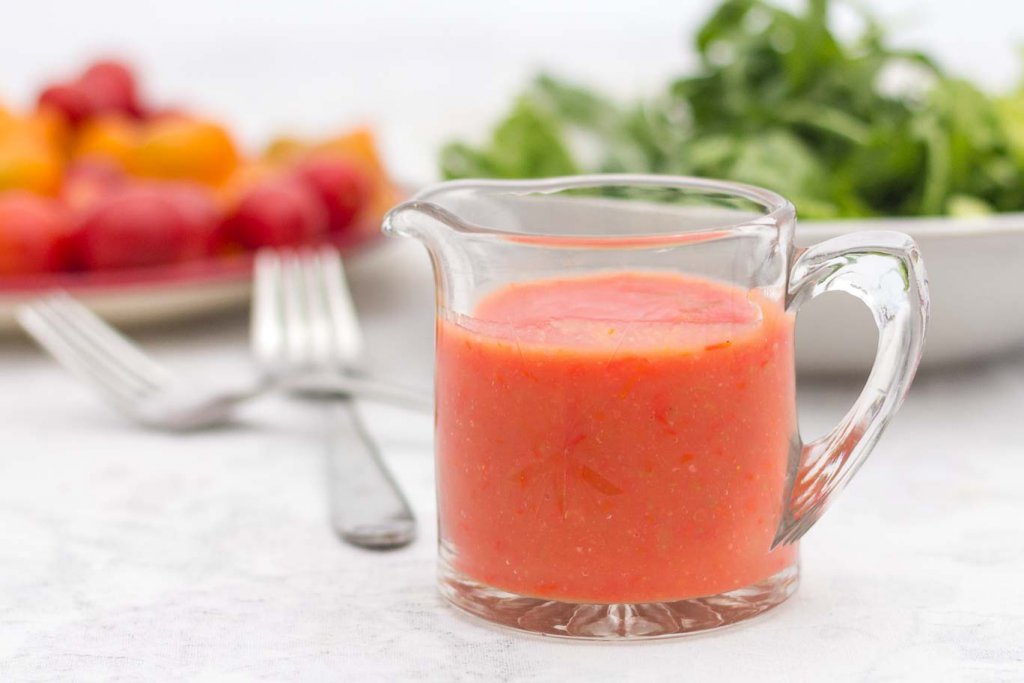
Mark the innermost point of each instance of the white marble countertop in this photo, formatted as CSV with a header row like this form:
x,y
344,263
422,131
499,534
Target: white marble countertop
x,y
127,555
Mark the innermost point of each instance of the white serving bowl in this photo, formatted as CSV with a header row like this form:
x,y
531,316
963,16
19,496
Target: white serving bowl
x,y
975,271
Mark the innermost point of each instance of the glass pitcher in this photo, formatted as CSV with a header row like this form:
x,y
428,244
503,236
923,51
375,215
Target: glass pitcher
x,y
616,437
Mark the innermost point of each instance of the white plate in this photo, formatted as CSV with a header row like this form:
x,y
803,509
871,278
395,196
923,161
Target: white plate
x,y
158,294
140,296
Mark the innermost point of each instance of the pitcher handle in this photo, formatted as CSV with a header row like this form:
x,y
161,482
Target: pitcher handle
x,y
884,270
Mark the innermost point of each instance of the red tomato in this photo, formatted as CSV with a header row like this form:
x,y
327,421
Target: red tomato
x,y
140,225
106,87
70,100
275,213
341,185
86,181
111,86
198,208
35,234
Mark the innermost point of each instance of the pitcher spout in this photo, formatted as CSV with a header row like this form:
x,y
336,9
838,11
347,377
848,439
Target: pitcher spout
x,y
421,220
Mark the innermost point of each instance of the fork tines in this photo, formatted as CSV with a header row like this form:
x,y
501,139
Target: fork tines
x,y
91,349
303,316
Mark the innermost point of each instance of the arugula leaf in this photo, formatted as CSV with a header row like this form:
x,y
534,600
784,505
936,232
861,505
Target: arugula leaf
x,y
780,101
527,144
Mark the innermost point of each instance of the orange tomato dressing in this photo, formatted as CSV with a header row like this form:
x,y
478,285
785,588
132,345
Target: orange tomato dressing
x,y
615,438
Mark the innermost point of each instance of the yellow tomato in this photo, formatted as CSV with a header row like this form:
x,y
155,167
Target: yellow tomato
x,y
51,127
110,137
384,199
359,146
28,163
244,177
185,149
45,127
284,150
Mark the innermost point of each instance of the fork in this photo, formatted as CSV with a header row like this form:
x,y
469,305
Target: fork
x,y
148,392
304,321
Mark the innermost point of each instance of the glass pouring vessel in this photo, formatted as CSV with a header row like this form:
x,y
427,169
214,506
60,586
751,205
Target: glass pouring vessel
x,y
616,437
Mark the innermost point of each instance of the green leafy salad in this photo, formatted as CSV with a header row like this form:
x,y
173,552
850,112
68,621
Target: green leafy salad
x,y
842,128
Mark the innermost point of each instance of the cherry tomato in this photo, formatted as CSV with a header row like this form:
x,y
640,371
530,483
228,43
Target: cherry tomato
x,y
285,150
343,188
70,100
46,127
110,137
27,163
142,224
197,205
111,87
87,181
275,213
185,149
106,87
244,178
35,234
358,146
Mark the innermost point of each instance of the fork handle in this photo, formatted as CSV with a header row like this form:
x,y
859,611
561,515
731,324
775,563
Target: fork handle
x,y
367,508
343,385
332,387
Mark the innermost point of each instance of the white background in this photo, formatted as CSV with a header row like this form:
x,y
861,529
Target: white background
x,y
422,72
